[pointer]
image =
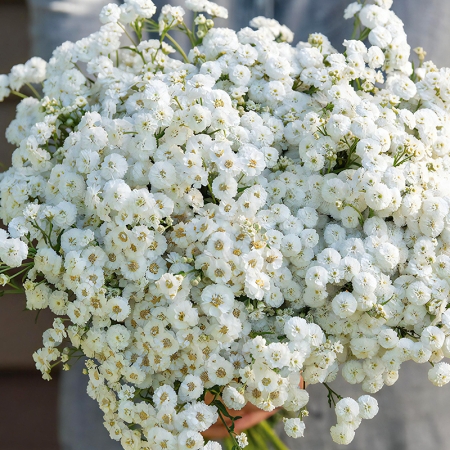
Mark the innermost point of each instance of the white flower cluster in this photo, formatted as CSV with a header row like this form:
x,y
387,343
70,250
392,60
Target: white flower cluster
x,y
229,223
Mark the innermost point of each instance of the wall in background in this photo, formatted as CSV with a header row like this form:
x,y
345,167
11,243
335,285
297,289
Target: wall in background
x,y
27,403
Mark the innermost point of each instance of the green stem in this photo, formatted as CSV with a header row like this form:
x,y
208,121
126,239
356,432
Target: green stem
x,y
211,192
255,439
230,433
27,268
79,69
4,269
44,234
364,34
361,217
34,91
183,28
177,102
355,28
128,35
13,291
166,30
193,27
331,395
210,133
228,443
19,94
177,46
14,285
274,439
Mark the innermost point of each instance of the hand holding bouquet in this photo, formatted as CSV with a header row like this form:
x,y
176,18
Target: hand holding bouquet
x,y
208,230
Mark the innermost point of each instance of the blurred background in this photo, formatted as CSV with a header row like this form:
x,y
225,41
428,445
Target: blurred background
x,y
413,413
27,403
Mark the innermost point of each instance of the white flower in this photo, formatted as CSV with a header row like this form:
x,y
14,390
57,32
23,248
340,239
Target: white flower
x,y
388,338
110,13
220,371
347,409
277,355
351,10
364,282
294,427
164,396
372,16
342,433
344,304
217,299
118,337
353,372
13,252
296,329
201,416
169,284
232,398
439,375
418,293
212,445
380,36
433,337
144,8
177,212
242,440
4,87
119,309
182,315
159,438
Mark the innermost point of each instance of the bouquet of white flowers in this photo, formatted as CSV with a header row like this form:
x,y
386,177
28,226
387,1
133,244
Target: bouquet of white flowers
x,y
209,230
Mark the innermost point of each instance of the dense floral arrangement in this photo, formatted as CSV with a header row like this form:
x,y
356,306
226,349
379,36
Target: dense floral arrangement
x,y
226,223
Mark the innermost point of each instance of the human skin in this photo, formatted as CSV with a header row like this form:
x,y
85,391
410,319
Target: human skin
x,y
250,415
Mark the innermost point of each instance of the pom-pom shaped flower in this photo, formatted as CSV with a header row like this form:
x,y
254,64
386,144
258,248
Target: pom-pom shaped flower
x,y
217,226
